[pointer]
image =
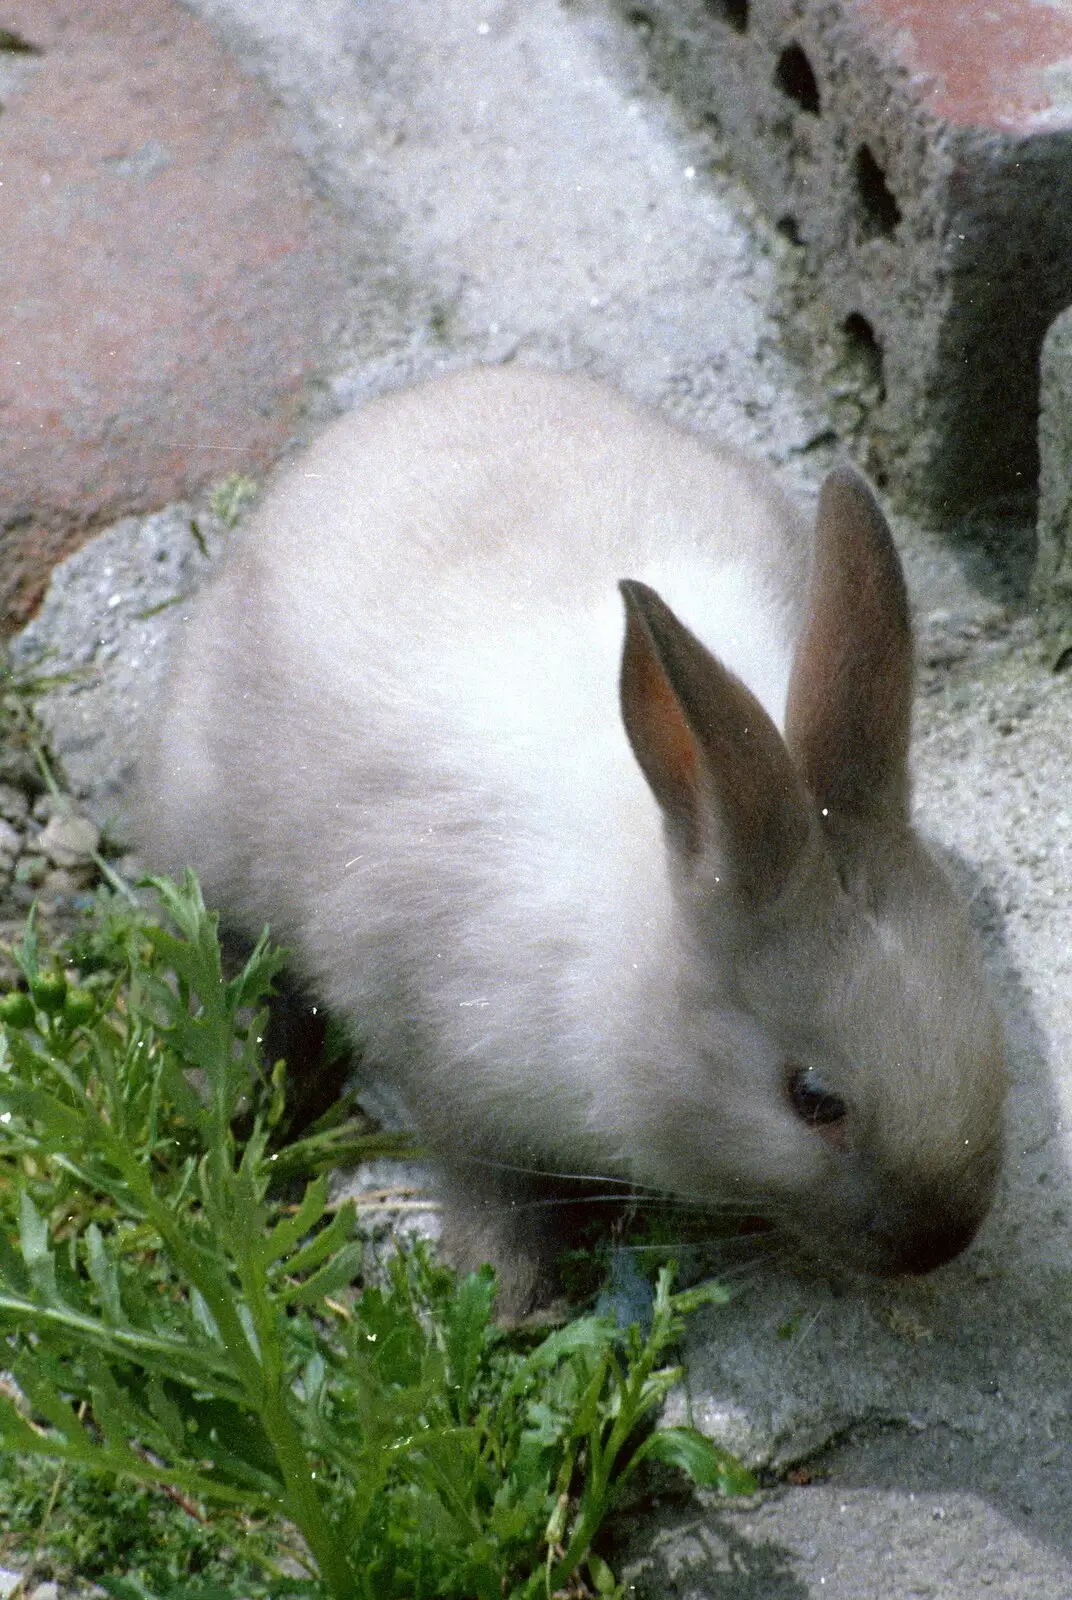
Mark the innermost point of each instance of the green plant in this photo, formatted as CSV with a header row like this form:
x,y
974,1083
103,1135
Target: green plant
x,y
230,497
77,1526
172,1319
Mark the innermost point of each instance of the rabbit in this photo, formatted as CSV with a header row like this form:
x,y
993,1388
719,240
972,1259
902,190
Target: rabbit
x,y
645,902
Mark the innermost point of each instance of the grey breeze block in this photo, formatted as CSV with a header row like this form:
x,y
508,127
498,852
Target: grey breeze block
x,y
1053,569
921,153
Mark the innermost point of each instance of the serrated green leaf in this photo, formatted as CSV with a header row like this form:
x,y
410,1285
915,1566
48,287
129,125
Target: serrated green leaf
x,y
179,1089
36,1252
16,1433
13,1274
116,1412
706,1464
588,1335
103,1269
338,1273
46,1399
467,1321
254,982
231,1437
686,1301
166,1413
203,1316
285,1237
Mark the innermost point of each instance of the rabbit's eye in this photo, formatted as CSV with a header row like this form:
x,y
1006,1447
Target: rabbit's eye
x,y
812,1101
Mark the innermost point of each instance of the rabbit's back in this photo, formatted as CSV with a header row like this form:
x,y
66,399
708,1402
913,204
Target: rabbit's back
x,y
392,728
426,605
499,499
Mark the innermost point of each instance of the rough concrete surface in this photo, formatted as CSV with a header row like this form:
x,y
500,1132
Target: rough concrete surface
x,y
922,156
538,199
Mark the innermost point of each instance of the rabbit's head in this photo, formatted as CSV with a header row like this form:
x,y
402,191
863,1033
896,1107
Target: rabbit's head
x,y
843,1059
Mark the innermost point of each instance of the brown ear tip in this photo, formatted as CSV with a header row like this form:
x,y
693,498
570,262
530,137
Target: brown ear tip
x,y
634,593
643,604
847,484
849,510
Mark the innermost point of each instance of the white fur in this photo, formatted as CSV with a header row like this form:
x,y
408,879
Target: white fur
x,y
393,733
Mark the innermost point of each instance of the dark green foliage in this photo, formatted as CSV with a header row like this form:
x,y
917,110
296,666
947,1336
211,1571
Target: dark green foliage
x,y
169,1322
70,1523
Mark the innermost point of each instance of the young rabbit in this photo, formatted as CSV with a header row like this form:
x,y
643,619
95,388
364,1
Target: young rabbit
x,y
692,943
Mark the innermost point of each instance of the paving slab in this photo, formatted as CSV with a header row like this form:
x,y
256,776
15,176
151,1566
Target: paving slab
x,y
171,277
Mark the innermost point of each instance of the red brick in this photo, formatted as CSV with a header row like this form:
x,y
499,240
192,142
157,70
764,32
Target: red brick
x,y
979,63
169,276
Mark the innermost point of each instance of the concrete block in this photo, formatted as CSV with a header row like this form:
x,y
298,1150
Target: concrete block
x,y
921,153
1053,567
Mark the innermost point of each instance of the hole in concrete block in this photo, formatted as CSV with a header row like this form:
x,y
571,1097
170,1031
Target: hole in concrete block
x,y
733,12
789,228
16,45
641,20
878,203
864,352
795,78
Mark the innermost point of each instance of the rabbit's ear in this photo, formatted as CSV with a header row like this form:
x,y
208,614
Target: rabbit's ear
x,y
849,708
713,758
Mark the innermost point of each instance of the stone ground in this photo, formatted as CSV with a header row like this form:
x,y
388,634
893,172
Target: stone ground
x,y
522,191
